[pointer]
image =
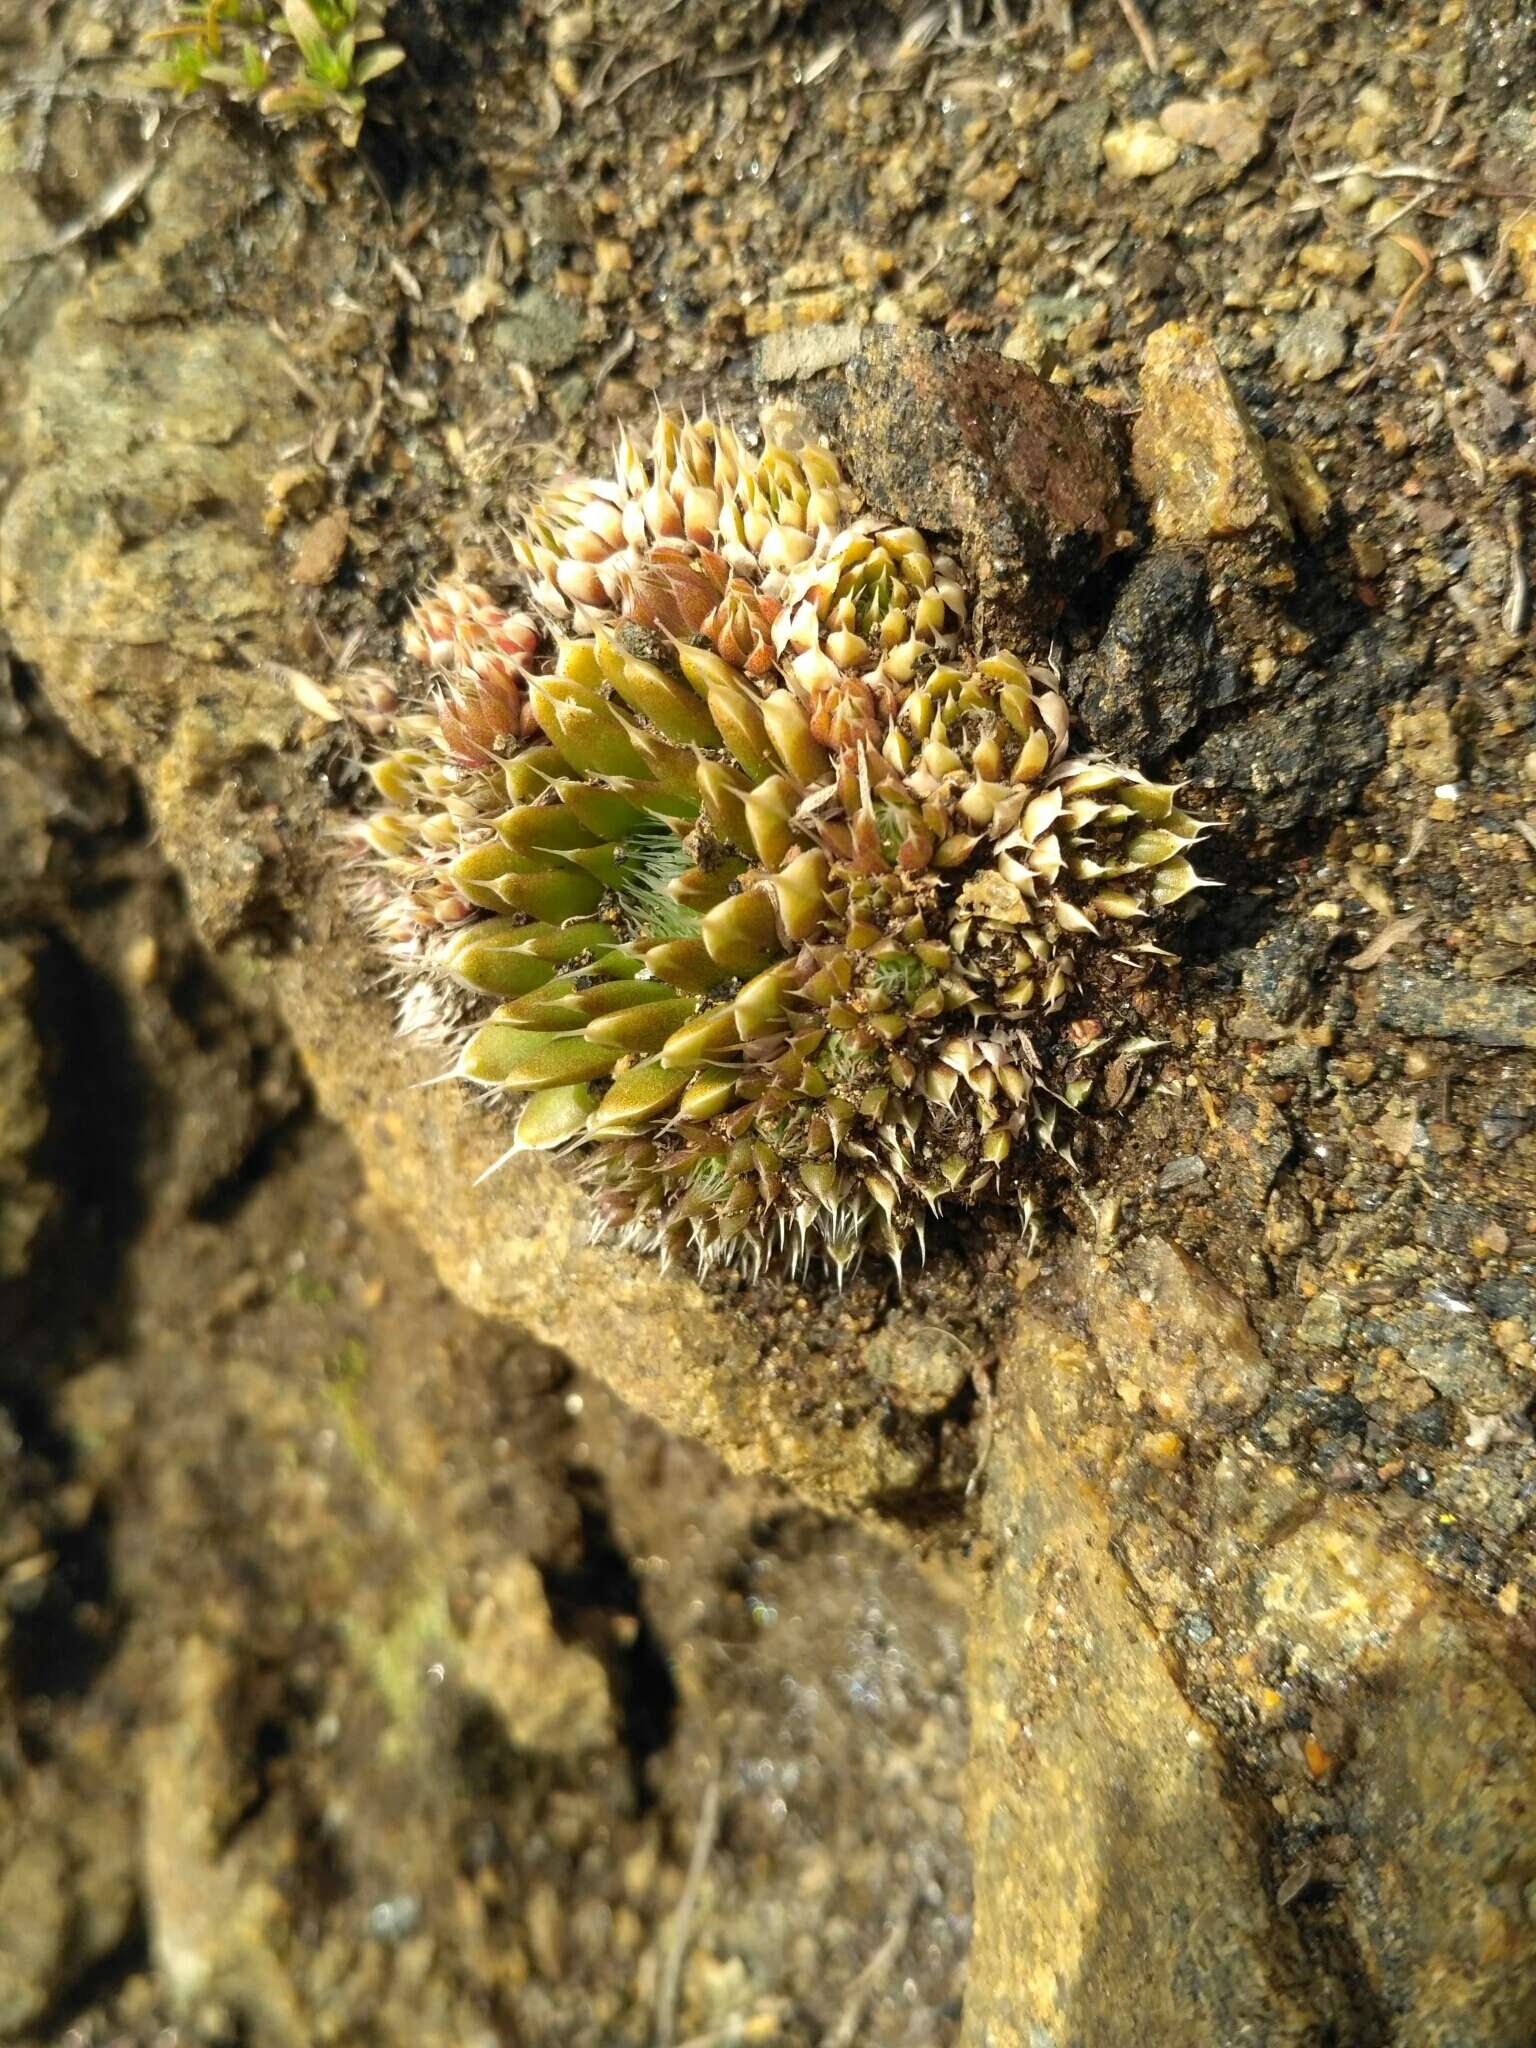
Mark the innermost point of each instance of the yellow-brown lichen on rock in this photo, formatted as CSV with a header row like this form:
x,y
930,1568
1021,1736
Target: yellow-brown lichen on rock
x,y
783,895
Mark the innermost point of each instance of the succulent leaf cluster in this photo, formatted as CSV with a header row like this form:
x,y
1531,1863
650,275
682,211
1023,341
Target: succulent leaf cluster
x,y
781,895
295,60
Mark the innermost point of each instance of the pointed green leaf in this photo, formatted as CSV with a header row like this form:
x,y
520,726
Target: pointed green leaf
x,y
636,1096
490,956
644,1030
507,1056
553,1115
541,828
552,895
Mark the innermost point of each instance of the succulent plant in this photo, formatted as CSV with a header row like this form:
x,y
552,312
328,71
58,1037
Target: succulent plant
x,y
296,59
781,896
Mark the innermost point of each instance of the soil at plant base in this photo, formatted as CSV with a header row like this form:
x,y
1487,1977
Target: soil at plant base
x,y
242,1542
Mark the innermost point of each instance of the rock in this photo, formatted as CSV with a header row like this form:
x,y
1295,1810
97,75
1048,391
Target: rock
x,y
1282,970
1140,149
1304,750
1452,1350
323,548
121,594
922,1365
946,435
1196,455
550,1696
1157,1633
1046,319
25,1201
67,1891
1108,1852
1256,1141
35,1913
1424,1005
1324,1324
1160,667
1437,1907
1166,1328
540,329
1313,346
1306,495
1224,126
1519,238
1187,1171
1427,743
797,352
212,1924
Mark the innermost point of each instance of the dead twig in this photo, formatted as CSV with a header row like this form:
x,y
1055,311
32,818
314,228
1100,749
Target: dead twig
x,y
1426,263
1516,611
1143,34
986,1400
1397,931
114,201
682,1920
845,2030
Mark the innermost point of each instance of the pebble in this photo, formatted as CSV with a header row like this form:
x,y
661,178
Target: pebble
x,y
322,548
540,330
1223,126
1497,1014
1313,346
1282,968
1181,1173
1140,149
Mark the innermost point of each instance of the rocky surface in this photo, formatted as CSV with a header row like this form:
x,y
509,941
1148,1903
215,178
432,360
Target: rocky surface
x,y
1195,1663
947,436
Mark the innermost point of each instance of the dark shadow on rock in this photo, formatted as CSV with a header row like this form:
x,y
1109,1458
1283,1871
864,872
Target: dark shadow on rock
x,y
584,1598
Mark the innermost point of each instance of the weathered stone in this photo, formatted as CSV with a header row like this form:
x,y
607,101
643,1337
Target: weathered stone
x,y
1304,749
66,1886
1436,1802
921,1365
1427,743
211,1924
1197,457
1166,1329
1223,126
540,330
1280,973
797,352
948,436
1324,1323
1210,1699
1140,149
1424,1005
1109,1853
1300,484
24,1199
549,1695
1314,345
1160,666
1255,1142
1451,1349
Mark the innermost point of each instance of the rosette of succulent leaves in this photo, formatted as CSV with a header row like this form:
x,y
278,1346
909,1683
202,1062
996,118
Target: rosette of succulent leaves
x,y
294,61
758,896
